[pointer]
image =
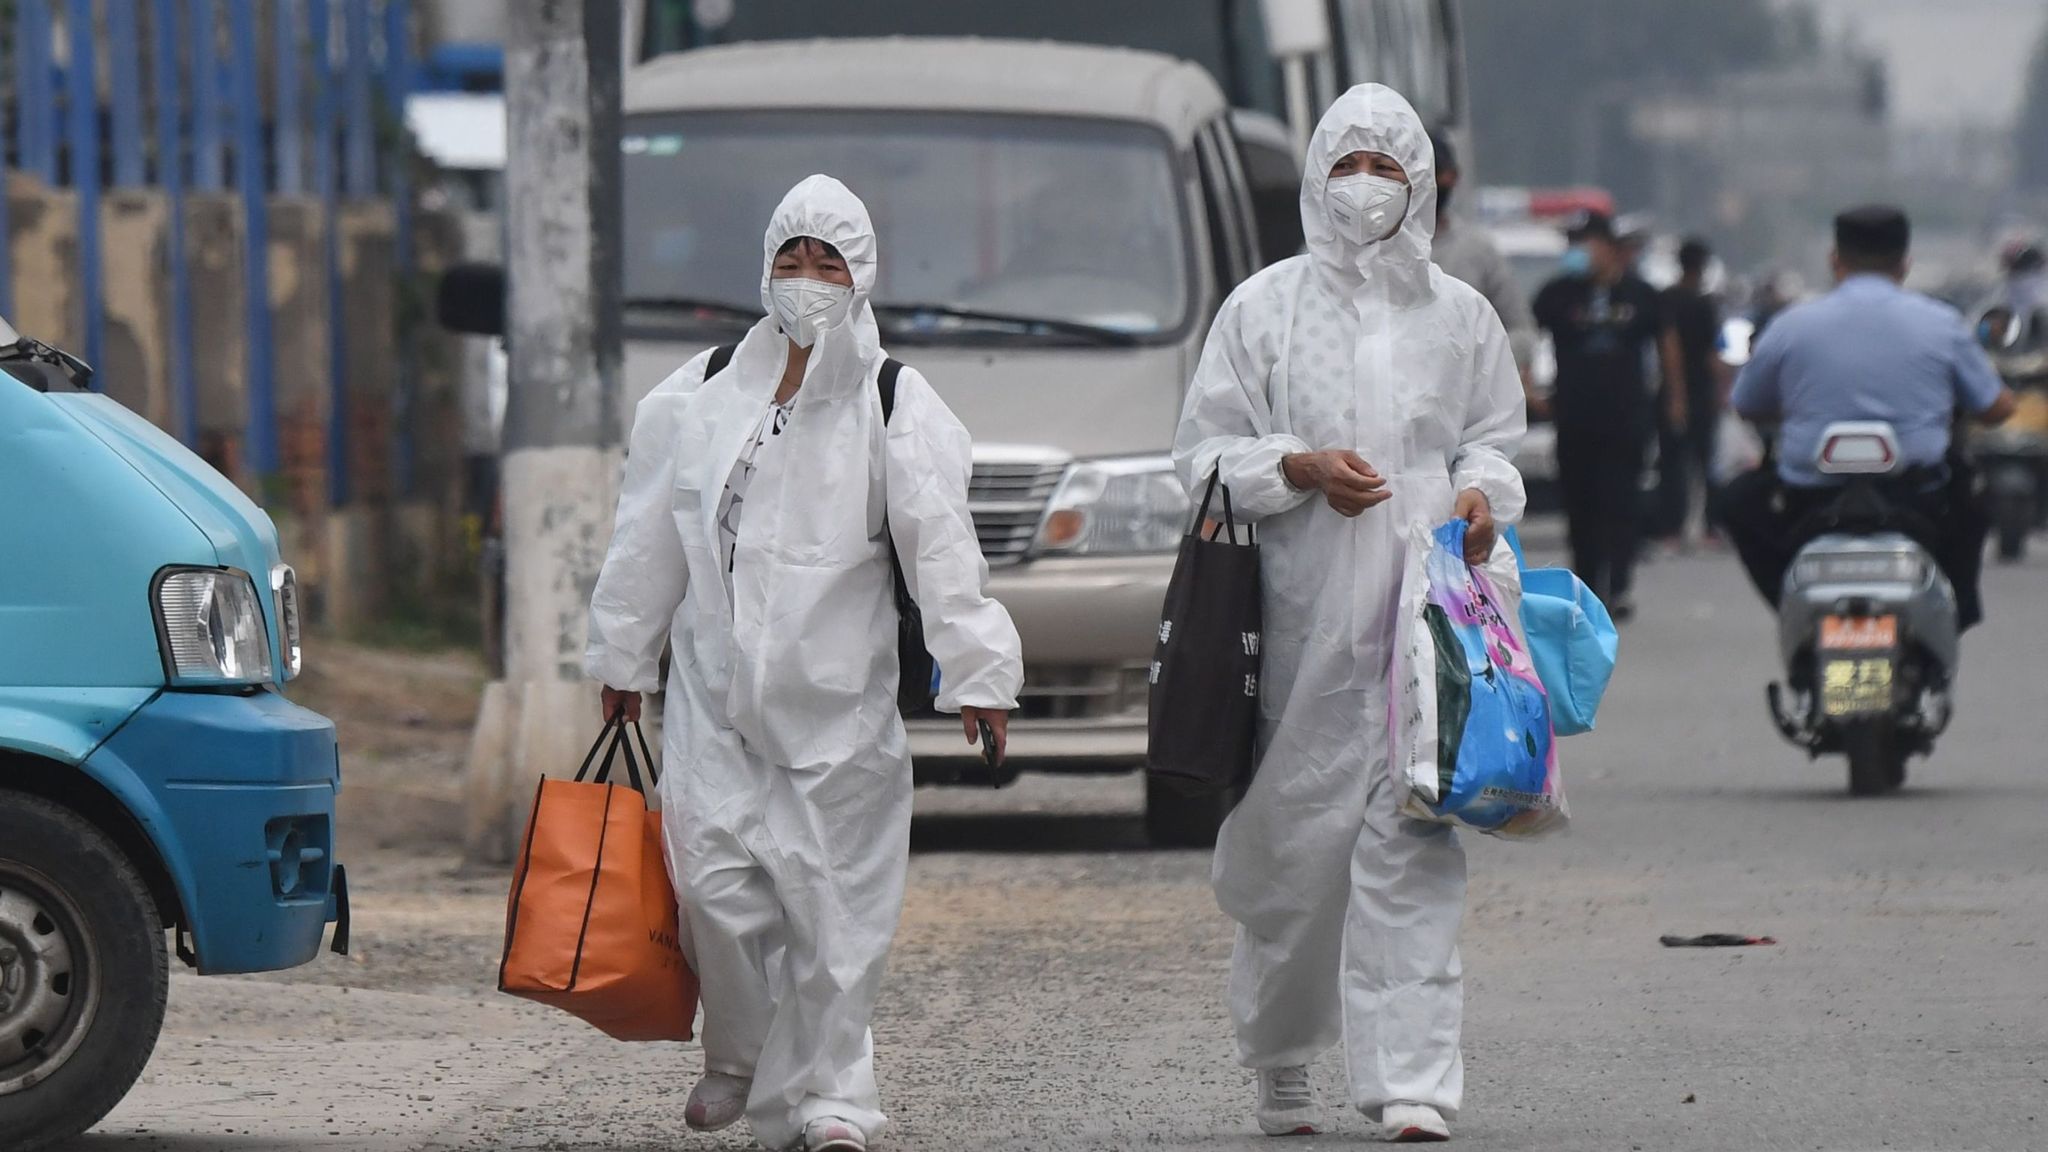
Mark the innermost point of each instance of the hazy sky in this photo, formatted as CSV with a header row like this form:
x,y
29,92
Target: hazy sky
x,y
1949,59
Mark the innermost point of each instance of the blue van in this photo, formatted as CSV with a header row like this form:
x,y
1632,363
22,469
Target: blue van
x,y
153,778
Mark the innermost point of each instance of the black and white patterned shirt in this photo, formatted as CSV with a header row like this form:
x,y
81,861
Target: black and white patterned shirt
x,y
733,503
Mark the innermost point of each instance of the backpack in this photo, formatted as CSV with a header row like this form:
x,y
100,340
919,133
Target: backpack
x,y
918,673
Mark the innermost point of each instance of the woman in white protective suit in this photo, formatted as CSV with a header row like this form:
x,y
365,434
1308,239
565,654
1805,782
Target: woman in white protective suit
x,y
752,536
1344,395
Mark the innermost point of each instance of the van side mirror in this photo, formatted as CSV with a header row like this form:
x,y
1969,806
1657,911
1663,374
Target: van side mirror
x,y
471,299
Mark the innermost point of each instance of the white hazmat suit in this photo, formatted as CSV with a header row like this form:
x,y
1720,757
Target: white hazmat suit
x,y
787,801
1348,914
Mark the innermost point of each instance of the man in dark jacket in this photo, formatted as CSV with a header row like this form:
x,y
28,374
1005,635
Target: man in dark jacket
x,y
1604,324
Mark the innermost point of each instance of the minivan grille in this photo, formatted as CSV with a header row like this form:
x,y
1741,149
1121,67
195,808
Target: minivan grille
x,y
1008,501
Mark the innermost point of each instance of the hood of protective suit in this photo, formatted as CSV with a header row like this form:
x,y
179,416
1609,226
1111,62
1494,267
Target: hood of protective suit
x,y
1372,118
825,209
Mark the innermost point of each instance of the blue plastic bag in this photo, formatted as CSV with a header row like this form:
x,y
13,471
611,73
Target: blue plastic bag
x,y
1572,641
1472,738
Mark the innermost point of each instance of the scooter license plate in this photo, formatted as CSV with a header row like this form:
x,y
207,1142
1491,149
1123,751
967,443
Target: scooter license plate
x,y
1859,634
1857,657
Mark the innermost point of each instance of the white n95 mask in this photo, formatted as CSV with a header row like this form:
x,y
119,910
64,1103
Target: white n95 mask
x,y
804,308
1366,208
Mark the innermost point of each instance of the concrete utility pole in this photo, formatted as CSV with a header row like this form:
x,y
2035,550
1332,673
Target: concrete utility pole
x,y
562,421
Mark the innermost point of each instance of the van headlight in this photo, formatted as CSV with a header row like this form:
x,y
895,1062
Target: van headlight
x,y
1115,507
210,624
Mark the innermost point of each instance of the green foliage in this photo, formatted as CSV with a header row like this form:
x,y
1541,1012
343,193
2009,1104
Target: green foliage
x,y
1547,73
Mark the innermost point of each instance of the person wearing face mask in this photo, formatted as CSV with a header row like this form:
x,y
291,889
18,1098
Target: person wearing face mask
x,y
764,489
1346,395
1463,249
1607,325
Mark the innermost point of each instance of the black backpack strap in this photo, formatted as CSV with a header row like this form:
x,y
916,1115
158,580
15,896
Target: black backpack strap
x,y
885,381
720,357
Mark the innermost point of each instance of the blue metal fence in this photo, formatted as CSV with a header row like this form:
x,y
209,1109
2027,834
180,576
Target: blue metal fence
x,y
332,64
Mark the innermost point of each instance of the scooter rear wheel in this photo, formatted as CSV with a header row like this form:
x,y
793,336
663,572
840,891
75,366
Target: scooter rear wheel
x,y
1877,764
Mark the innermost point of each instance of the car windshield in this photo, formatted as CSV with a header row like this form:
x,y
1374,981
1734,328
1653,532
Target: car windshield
x,y
986,222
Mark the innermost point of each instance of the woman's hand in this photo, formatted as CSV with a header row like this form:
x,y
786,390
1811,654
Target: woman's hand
x,y
998,726
1480,530
1343,477
619,703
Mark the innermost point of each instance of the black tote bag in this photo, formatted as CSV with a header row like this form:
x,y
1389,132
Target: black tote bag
x,y
1205,671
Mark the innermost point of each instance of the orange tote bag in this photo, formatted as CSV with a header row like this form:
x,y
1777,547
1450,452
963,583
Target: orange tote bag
x,y
590,926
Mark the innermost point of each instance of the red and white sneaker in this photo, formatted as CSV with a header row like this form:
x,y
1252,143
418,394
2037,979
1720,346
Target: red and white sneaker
x,y
1413,1124
831,1134
1287,1102
718,1101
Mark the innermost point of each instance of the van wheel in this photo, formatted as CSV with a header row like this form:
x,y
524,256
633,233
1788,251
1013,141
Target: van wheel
x,y
1181,819
83,974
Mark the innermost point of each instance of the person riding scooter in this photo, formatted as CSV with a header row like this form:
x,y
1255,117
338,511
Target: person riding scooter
x,y
2012,327
1868,351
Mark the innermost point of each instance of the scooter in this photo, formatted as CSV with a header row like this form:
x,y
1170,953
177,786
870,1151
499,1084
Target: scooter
x,y
1866,625
2013,457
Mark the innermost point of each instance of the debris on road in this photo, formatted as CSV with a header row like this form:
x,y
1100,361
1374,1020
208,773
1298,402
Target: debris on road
x,y
1714,940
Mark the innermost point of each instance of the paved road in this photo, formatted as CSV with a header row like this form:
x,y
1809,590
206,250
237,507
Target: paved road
x,y
1056,986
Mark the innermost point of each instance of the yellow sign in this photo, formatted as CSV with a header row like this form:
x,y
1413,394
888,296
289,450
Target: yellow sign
x,y
1856,687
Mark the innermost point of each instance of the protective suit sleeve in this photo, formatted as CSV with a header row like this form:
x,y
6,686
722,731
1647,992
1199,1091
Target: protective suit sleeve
x,y
1496,417
644,576
929,459
1226,422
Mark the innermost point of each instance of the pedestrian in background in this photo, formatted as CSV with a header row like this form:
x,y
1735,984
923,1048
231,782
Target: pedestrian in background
x,y
764,491
1346,395
1689,415
1464,250
1606,324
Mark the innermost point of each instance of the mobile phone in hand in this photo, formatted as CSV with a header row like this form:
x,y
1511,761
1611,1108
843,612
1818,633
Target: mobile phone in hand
x,y
989,752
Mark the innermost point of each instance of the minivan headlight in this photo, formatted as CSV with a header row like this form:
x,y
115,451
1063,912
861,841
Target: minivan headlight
x,y
210,623
1116,508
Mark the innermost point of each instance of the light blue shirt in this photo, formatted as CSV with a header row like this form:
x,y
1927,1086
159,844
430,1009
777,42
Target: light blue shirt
x,y
1869,350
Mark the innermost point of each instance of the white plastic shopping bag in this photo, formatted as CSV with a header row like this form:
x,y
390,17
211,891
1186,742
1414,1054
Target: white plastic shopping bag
x,y
1737,449
1472,740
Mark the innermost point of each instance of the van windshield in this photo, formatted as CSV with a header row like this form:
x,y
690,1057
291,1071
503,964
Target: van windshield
x,y
1226,37
986,222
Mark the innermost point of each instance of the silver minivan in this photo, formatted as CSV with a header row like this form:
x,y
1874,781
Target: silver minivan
x,y
1058,225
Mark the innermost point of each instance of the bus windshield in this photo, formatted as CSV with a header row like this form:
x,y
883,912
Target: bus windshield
x,y
1005,227
1410,46
1227,37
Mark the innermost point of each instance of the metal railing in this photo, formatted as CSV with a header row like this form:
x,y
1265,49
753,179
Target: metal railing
x,y
308,95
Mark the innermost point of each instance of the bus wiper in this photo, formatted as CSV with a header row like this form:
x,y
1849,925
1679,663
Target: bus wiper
x,y
712,309
1093,333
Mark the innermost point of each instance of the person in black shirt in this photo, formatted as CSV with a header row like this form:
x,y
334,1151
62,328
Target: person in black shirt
x,y
1604,324
1690,416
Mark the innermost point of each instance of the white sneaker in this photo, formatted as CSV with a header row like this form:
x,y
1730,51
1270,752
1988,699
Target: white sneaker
x,y
831,1134
718,1101
1287,1102
1413,1124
